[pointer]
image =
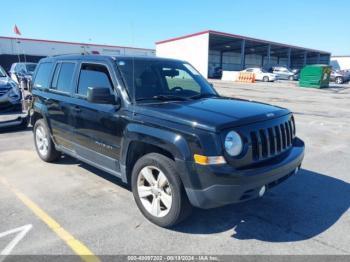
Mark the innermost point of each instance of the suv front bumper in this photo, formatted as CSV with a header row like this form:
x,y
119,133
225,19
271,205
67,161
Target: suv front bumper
x,y
226,185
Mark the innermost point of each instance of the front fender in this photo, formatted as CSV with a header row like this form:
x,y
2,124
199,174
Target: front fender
x,y
175,143
172,142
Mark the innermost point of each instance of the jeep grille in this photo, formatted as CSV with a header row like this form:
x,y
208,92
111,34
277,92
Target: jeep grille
x,y
272,141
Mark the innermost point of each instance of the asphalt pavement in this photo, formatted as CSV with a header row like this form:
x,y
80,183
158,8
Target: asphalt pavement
x,y
306,215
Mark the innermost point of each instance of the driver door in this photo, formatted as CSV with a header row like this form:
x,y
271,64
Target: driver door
x,y
98,127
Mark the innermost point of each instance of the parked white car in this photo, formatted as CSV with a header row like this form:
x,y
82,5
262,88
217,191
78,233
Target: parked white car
x,y
261,74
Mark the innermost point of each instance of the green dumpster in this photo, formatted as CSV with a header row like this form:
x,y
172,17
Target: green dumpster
x,y
315,76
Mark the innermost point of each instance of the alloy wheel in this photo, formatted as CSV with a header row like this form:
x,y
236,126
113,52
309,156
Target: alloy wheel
x,y
154,191
42,141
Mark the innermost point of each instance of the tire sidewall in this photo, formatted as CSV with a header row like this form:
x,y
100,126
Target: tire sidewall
x,y
265,79
164,164
42,123
339,80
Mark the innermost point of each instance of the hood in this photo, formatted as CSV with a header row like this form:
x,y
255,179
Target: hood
x,y
212,114
5,82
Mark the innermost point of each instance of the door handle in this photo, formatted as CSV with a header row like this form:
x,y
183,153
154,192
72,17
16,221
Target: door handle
x,y
77,109
47,100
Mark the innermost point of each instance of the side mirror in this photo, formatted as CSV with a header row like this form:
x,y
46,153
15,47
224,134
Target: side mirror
x,y
100,95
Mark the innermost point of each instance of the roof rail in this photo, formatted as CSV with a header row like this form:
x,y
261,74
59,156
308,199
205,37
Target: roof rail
x,y
81,53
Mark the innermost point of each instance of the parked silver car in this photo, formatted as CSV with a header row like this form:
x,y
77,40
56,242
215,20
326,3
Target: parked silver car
x,y
340,77
283,73
21,71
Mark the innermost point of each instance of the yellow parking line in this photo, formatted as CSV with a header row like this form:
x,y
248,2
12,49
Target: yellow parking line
x,y
78,247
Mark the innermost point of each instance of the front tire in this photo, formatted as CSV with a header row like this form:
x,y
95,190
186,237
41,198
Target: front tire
x,y
158,190
266,79
290,78
339,80
43,142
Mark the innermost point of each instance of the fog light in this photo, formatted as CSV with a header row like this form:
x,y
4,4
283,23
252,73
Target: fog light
x,y
262,191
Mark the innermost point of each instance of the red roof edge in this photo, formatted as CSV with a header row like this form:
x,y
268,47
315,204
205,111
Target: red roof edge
x,y
238,36
73,43
182,37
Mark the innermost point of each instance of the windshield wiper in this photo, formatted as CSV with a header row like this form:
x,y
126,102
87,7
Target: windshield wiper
x,y
204,95
163,98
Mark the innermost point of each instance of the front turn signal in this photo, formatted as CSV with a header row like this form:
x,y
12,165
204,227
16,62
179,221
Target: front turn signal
x,y
209,160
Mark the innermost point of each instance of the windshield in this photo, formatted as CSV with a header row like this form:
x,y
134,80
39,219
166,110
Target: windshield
x,y
148,79
2,72
30,67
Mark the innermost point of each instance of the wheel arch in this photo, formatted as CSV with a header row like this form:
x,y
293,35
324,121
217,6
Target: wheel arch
x,y
145,139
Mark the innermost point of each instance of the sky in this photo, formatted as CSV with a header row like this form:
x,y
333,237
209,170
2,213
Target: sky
x,y
318,24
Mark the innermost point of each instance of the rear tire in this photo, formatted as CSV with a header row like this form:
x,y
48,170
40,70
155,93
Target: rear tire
x,y
158,190
290,78
43,142
266,79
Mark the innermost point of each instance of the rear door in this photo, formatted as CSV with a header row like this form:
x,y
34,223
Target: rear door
x,y
59,103
98,127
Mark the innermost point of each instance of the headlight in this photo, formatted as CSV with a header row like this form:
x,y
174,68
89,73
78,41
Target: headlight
x,y
233,143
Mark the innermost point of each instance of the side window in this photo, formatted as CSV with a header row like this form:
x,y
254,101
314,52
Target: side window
x,y
62,79
180,79
42,77
93,75
55,76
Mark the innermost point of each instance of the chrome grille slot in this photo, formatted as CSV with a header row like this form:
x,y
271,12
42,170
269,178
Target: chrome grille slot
x,y
264,144
283,137
272,141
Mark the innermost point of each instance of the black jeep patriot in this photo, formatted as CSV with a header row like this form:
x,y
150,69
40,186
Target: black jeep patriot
x,y
161,127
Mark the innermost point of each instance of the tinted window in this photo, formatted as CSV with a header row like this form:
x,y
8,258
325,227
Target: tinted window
x,y
30,67
42,77
181,81
92,75
2,72
146,79
64,80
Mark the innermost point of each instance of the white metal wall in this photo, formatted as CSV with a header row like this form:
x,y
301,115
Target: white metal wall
x,y
47,48
192,49
340,62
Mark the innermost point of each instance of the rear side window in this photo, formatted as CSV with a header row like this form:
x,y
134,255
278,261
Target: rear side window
x,y
93,75
42,77
62,80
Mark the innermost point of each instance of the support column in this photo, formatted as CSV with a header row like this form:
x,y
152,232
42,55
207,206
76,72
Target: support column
x,y
318,58
269,55
289,57
221,54
243,55
262,61
305,58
